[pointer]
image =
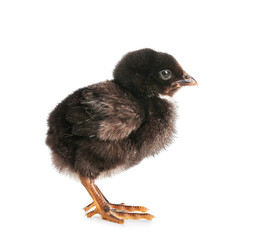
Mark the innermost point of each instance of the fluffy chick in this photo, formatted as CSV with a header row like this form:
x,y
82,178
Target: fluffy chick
x,y
115,124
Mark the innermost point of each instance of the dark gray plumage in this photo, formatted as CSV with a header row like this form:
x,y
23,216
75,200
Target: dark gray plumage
x,y
115,124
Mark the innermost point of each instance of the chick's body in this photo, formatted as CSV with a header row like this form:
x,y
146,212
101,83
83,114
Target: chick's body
x,y
101,127
115,124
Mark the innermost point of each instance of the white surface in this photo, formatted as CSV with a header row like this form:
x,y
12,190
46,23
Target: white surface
x,y
199,188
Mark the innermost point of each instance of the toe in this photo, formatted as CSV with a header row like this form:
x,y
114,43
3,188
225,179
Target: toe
x,y
112,218
126,215
122,207
88,207
93,212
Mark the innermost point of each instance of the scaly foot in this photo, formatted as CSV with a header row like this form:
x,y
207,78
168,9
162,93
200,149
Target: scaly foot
x,y
108,211
116,212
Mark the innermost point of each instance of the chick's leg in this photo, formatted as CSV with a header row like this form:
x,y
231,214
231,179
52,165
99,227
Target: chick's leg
x,y
99,202
110,211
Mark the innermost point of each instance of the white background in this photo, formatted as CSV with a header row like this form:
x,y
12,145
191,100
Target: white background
x,y
201,187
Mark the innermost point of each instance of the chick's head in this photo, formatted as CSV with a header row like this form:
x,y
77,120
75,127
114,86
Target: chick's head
x,y
147,73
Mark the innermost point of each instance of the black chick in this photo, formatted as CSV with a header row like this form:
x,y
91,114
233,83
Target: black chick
x,y
115,124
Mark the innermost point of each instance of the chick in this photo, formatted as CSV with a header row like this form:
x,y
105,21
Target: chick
x,y
113,125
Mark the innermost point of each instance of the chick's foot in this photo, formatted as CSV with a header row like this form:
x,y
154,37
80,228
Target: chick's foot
x,y
112,212
119,211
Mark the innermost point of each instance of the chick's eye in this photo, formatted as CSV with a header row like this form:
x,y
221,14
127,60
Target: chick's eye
x,y
165,74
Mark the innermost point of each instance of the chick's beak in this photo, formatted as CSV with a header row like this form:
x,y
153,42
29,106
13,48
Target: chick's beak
x,y
186,81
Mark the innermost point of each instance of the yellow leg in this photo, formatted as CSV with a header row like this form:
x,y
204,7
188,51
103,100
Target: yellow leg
x,y
111,212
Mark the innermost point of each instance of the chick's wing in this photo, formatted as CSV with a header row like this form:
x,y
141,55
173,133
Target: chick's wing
x,y
105,112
